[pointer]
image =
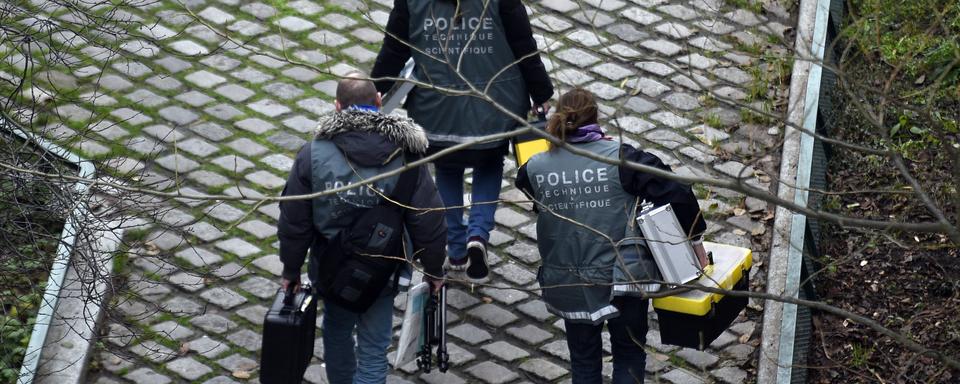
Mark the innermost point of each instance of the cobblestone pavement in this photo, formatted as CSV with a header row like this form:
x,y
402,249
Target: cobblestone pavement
x,y
208,116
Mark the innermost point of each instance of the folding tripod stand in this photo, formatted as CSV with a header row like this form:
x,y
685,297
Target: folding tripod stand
x,y
434,333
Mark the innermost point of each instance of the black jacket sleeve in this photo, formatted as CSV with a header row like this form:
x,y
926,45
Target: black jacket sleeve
x,y
519,35
295,227
395,50
427,228
662,191
523,184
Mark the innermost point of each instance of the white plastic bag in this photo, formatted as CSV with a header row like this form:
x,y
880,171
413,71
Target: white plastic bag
x,y
411,333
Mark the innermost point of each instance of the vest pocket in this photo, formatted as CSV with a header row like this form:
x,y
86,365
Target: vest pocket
x,y
574,289
380,237
634,264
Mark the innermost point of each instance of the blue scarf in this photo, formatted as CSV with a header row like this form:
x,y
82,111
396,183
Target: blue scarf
x,y
586,134
364,107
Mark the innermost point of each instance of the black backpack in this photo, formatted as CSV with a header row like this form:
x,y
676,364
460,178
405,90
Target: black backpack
x,y
360,260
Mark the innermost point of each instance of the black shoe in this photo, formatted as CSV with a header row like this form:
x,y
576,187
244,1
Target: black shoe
x,y
478,271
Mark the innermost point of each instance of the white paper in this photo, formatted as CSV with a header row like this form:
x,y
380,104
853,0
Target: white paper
x,y
411,333
394,98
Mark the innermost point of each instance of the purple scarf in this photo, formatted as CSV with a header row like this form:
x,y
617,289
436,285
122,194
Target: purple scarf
x,y
586,134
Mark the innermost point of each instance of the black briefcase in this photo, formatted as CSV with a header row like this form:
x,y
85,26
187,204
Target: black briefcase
x,y
289,329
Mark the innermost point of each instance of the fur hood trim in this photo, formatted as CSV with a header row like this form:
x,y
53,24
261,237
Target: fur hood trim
x,y
400,130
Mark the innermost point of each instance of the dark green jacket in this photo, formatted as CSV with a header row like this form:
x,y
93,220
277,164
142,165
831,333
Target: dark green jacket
x,y
475,49
585,231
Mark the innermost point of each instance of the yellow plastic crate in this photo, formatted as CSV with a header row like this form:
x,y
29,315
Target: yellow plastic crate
x,y
530,143
730,265
694,319
524,150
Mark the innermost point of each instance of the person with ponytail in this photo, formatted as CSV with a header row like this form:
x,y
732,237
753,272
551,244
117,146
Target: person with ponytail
x,y
586,208
575,118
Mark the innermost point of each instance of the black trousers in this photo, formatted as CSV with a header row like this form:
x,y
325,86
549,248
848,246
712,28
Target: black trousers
x,y
628,334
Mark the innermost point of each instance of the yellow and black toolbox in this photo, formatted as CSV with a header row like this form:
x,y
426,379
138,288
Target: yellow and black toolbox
x,y
530,143
695,318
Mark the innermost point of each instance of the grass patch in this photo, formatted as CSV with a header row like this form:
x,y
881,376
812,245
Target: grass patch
x,y
749,5
750,116
32,214
713,120
919,36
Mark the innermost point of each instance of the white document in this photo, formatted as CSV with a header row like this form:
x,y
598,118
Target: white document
x,y
395,96
411,333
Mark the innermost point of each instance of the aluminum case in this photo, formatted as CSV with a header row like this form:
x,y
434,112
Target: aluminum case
x,y
669,244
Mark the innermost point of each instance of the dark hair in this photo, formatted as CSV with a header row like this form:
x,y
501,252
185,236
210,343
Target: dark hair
x,y
356,89
575,109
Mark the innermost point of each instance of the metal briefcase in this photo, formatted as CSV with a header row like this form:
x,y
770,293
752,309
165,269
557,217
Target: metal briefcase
x,y
669,244
289,329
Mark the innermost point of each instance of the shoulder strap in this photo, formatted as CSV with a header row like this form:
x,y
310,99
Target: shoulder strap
x,y
406,185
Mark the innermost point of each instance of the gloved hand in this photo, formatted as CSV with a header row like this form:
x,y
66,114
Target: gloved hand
x,y
540,109
701,254
286,283
435,283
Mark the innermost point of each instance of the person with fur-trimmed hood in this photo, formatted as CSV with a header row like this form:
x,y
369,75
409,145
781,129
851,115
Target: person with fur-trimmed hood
x,y
351,144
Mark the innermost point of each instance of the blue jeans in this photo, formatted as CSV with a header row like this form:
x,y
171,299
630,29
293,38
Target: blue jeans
x,y
483,196
342,355
628,334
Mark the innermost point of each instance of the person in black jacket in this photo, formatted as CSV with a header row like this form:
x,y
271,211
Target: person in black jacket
x,y
486,49
585,213
354,143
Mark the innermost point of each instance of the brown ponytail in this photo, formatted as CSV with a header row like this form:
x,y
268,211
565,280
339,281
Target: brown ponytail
x,y
575,109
